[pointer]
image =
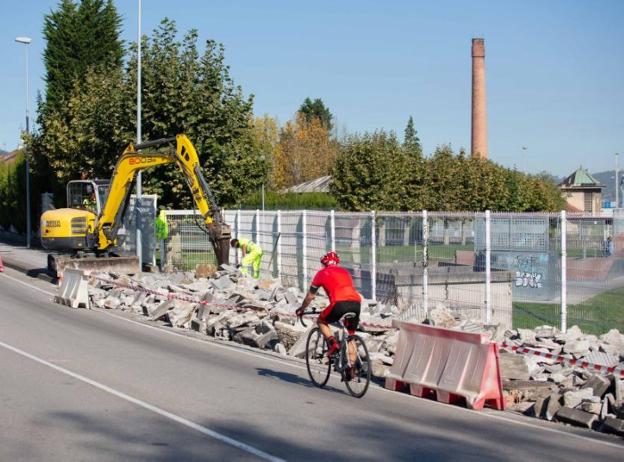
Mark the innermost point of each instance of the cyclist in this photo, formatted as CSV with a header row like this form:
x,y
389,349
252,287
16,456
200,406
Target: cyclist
x,y
343,299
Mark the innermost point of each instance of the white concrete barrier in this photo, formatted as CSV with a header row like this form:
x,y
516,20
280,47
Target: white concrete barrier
x,y
73,290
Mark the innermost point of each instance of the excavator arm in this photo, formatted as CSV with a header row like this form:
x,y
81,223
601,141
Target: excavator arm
x,y
137,158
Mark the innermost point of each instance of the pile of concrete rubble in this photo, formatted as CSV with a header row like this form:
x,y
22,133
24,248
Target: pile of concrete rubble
x,y
545,387
229,306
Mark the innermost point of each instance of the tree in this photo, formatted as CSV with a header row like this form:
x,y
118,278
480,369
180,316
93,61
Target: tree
x,y
317,110
266,141
411,142
305,152
78,36
99,130
369,173
184,92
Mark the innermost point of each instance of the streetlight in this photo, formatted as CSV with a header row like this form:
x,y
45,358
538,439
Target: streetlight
x,y
26,41
139,186
617,172
524,164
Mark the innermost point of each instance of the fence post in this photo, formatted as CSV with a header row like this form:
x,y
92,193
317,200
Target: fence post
x,y
332,220
238,230
425,263
279,246
258,226
304,220
373,257
564,274
488,269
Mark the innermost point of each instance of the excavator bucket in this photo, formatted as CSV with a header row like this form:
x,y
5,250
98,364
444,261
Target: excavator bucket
x,y
123,265
222,250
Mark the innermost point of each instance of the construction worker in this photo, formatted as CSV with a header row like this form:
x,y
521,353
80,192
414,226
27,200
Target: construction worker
x,y
162,233
252,255
89,202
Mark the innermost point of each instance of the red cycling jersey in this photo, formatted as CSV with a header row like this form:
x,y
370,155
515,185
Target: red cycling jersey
x,y
337,283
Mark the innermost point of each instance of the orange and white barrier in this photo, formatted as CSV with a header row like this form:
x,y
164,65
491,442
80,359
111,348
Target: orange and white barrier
x,y
451,365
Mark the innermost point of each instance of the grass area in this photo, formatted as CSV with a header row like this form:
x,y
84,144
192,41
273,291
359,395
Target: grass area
x,y
391,253
595,316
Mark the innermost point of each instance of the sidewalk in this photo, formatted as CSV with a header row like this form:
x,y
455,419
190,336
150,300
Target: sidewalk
x,y
33,262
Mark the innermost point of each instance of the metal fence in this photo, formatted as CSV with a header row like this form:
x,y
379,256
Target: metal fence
x,y
517,269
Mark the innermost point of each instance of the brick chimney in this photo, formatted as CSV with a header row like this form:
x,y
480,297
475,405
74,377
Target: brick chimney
x,y
479,146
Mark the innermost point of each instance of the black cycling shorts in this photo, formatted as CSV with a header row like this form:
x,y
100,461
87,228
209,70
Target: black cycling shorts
x,y
333,314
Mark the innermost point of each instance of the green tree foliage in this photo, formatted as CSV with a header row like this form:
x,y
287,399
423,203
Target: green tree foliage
x,y
373,173
411,142
368,173
317,110
184,92
100,128
79,35
289,201
266,141
12,197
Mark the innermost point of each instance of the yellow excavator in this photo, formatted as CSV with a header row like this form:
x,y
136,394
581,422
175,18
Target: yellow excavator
x,y
85,234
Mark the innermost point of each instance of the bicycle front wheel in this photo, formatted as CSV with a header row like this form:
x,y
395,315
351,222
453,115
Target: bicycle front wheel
x,y
319,366
360,369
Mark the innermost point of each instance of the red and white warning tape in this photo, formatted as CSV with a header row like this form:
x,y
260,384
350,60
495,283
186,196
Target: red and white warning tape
x,y
229,306
617,370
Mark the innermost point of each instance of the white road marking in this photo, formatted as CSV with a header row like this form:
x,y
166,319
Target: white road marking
x,y
150,407
375,388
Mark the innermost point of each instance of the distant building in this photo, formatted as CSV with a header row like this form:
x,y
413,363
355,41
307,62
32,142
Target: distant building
x,y
320,184
582,192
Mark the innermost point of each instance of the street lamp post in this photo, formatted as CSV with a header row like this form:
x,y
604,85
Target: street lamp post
x,y
139,185
617,185
26,41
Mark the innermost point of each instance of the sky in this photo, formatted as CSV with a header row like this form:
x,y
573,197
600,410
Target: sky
x,y
554,68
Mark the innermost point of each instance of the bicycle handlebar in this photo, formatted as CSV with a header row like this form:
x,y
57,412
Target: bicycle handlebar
x,y
303,314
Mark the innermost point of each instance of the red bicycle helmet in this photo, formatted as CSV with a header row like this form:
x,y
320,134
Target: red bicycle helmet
x,y
330,258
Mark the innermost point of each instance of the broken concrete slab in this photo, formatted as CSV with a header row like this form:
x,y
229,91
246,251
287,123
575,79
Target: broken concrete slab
x,y
572,399
513,366
591,407
539,407
242,319
161,310
613,425
598,384
553,406
181,313
576,417
577,347
298,349
618,388
288,334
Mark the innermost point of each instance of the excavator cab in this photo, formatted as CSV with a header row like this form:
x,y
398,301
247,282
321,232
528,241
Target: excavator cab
x,y
87,195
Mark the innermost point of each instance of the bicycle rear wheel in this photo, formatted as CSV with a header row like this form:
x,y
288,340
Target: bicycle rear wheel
x,y
319,366
361,370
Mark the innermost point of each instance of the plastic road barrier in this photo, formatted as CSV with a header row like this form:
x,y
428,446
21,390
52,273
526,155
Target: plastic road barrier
x,y
453,366
73,290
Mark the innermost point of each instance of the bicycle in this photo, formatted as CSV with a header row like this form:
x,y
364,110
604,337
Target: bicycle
x,y
356,376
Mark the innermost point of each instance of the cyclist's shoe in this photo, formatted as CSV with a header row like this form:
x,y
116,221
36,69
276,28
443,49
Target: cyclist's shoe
x,y
334,346
349,374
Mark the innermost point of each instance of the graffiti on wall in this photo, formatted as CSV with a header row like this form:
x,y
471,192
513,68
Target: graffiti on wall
x,y
529,272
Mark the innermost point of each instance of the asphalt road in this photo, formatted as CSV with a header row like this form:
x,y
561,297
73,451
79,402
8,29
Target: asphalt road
x,y
96,385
